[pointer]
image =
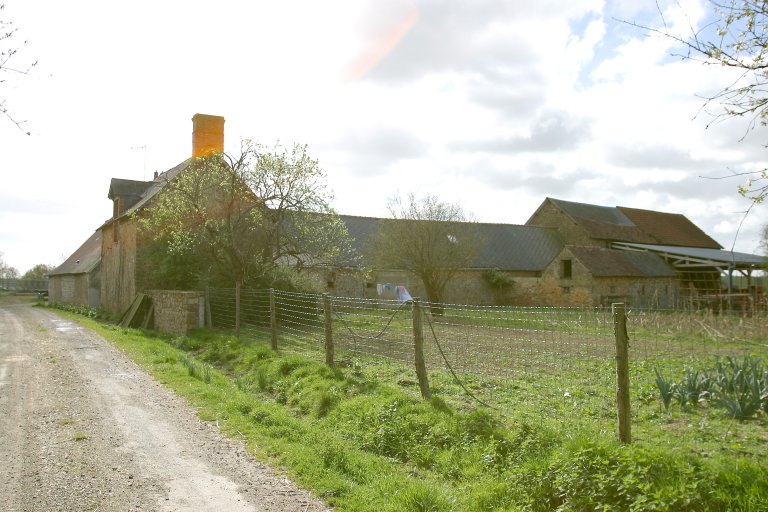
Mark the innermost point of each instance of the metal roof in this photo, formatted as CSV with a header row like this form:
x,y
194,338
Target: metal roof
x,y
698,257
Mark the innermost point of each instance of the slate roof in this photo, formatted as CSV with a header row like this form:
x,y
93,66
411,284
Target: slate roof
x,y
158,184
615,263
85,259
150,188
129,188
505,246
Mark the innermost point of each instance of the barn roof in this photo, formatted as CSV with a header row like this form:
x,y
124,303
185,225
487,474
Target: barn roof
x,y
85,259
621,224
504,246
670,228
614,263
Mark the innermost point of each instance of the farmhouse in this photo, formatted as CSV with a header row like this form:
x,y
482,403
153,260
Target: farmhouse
x,y
538,266
570,254
567,253
121,241
620,251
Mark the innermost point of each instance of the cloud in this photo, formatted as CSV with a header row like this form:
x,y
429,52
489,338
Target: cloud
x,y
458,36
551,132
655,157
372,150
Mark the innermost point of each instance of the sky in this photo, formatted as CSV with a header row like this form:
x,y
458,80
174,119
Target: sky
x,y
491,104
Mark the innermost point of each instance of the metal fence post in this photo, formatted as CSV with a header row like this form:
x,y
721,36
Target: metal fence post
x,y
418,349
327,319
273,318
622,371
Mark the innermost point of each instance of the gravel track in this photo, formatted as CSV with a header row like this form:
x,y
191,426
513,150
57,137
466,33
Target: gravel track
x,y
82,427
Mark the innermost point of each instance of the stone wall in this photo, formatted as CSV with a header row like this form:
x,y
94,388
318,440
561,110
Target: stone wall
x,y
177,312
75,289
68,289
550,216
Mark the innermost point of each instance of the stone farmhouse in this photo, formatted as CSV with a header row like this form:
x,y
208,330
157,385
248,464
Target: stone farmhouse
x,y
567,253
571,253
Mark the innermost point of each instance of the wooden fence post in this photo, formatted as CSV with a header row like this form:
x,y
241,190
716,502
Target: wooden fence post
x,y
208,316
418,349
327,320
622,371
273,318
237,308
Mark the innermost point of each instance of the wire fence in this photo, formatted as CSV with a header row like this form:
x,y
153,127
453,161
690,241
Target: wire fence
x,y
499,355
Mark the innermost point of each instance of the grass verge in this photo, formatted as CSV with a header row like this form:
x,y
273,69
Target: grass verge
x,y
362,439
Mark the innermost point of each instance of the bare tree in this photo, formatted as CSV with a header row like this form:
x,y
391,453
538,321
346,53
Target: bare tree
x,y
7,271
9,48
431,238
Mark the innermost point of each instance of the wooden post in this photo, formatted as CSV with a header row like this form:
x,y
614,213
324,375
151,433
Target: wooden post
x,y
237,308
622,371
418,349
273,318
328,329
208,317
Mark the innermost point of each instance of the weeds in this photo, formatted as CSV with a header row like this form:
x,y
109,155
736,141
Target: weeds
x,y
197,370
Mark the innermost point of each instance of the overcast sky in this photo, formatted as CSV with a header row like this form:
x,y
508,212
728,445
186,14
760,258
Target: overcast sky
x,y
492,104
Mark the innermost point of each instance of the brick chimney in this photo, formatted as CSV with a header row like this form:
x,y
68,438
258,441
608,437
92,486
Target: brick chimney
x,y
207,135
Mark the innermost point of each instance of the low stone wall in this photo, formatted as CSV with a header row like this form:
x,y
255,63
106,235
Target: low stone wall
x,y
177,312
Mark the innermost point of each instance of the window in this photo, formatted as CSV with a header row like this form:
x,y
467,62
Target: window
x,y
566,269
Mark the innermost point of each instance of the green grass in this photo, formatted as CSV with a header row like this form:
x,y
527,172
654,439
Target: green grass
x,y
363,439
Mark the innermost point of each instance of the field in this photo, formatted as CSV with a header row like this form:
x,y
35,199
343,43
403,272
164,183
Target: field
x,y
553,366
539,436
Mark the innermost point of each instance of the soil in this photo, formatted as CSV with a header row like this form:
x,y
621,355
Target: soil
x,y
82,427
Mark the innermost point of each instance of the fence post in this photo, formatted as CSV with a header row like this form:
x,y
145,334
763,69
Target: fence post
x,y
273,318
418,349
237,308
622,371
208,316
328,329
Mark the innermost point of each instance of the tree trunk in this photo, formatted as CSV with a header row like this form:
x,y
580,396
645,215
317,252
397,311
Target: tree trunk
x,y
435,297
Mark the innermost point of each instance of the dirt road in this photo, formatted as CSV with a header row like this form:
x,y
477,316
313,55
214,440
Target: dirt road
x,y
84,428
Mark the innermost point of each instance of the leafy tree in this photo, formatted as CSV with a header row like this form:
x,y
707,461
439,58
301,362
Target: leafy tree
x,y
8,51
738,39
431,238
7,271
236,219
33,276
